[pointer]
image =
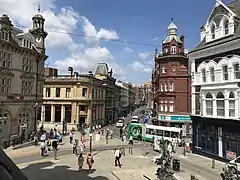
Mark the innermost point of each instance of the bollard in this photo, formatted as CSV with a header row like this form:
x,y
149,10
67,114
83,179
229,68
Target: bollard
x,y
213,163
55,154
130,150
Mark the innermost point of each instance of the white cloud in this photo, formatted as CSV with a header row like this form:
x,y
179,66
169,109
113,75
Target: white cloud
x,y
90,30
143,56
127,49
138,66
63,20
155,38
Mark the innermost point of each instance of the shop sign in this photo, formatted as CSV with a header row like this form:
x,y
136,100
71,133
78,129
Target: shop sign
x,y
183,118
230,155
162,117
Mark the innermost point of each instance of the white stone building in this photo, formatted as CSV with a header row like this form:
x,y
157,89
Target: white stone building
x,y
215,84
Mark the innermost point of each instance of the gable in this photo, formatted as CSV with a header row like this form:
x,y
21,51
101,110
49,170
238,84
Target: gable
x,y
219,9
5,72
27,76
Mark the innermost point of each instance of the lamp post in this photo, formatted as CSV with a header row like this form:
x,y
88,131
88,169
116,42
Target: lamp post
x,y
36,115
91,105
70,69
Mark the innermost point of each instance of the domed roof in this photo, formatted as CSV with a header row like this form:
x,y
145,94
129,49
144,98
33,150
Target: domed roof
x,y
172,26
38,16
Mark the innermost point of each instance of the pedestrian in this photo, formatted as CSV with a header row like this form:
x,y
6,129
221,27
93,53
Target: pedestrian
x,y
187,147
121,132
43,148
90,161
74,148
81,146
80,161
131,139
35,140
117,155
70,137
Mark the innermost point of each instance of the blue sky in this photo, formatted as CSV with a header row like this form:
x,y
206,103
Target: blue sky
x,y
127,20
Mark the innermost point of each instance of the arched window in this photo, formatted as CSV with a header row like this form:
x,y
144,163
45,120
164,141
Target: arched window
x,y
161,87
213,31
231,105
173,49
220,104
225,72
24,118
225,27
209,104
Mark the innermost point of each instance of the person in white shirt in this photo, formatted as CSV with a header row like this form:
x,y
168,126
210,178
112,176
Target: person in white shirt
x,y
43,137
70,137
117,155
130,140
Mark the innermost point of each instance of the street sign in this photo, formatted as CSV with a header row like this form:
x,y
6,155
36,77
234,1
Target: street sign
x,y
145,120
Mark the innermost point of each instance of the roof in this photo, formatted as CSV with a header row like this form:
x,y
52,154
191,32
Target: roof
x,y
38,16
235,7
172,26
102,69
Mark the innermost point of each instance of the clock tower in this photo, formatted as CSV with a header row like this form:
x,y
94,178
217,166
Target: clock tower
x,y
38,31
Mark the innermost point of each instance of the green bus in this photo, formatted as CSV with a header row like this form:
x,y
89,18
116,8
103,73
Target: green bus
x,y
146,132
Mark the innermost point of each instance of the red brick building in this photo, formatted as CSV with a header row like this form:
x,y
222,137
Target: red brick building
x,y
171,81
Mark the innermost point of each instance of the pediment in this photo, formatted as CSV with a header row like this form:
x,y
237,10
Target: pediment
x,y
27,76
5,72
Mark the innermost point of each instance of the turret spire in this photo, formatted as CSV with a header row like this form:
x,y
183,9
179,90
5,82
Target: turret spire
x,y
39,8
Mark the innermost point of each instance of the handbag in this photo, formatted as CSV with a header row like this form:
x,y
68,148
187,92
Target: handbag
x,y
92,161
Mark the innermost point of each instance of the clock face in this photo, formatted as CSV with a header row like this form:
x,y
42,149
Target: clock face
x,y
38,40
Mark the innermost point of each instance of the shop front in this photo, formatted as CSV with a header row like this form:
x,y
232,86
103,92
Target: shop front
x,y
216,138
182,121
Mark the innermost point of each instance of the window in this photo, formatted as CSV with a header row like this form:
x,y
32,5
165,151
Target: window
x,y
165,86
171,85
212,75
6,60
161,107
167,133
209,104
203,75
231,105
6,35
213,32
68,92
236,71
48,92
84,92
5,85
173,49
27,87
161,87
225,26
58,92
220,104
225,72
173,68
164,69
166,108
27,64
24,118
82,107
166,50
171,105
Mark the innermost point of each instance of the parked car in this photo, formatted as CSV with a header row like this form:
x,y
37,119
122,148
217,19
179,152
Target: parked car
x,y
120,123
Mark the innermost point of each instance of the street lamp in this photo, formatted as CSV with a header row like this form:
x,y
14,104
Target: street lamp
x,y
70,69
91,105
36,114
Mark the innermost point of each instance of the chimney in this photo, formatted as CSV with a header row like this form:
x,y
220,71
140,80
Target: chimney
x,y
203,32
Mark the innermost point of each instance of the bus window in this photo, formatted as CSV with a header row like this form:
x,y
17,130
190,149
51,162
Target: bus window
x,y
174,134
159,132
150,131
166,133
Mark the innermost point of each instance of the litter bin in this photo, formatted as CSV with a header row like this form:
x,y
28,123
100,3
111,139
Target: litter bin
x,y
176,165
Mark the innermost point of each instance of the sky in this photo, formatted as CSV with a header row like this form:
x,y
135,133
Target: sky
x,y
126,32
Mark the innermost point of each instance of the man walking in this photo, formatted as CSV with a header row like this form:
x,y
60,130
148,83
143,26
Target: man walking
x,y
117,155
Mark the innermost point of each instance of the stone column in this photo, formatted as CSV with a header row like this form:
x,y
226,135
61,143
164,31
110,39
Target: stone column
x,y
214,107
43,113
62,113
52,113
77,114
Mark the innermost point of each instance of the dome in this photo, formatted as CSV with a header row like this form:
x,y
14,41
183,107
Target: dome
x,y
172,26
38,16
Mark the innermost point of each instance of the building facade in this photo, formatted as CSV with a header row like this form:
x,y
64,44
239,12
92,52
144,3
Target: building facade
x,y
22,57
147,93
106,76
73,100
139,95
171,82
215,84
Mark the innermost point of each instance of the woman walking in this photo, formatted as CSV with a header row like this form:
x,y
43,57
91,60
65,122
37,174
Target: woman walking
x,y
90,161
80,161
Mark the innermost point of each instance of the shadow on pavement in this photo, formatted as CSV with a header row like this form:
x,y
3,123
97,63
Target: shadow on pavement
x,y
44,171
